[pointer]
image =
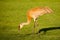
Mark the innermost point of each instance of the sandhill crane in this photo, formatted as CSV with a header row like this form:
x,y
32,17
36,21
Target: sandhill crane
x,y
34,13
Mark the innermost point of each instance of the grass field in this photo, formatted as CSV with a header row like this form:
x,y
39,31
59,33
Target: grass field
x,y
13,12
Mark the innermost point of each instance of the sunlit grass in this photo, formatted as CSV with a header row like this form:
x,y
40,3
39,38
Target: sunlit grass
x,y
13,12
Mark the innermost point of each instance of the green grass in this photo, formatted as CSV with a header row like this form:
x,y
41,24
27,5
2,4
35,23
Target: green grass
x,y
13,12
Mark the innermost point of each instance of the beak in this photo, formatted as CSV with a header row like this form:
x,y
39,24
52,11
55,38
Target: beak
x,y
19,28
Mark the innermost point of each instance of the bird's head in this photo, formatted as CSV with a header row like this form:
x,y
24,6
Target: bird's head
x,y
20,26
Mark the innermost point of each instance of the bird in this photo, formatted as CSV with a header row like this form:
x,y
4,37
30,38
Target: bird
x,y
34,13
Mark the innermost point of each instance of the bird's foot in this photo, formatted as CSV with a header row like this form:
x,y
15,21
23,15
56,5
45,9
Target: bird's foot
x,y
36,24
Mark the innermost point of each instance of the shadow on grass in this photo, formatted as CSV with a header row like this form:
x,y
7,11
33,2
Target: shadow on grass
x,y
44,30
47,29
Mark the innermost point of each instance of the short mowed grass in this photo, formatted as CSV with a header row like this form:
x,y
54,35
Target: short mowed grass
x,y
13,12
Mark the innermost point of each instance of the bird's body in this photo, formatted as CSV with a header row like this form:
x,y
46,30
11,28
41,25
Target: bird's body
x,y
34,13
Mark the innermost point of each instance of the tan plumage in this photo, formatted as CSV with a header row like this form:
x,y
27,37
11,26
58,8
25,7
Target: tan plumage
x,y
34,13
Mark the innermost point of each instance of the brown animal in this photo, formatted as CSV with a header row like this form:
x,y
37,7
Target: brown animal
x,y
34,13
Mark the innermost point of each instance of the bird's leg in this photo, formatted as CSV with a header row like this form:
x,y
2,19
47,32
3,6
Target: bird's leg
x,y
36,23
34,26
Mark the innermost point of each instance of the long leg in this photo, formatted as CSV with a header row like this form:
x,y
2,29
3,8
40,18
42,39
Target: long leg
x,y
35,24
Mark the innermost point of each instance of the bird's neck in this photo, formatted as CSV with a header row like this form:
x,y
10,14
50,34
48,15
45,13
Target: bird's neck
x,y
25,23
